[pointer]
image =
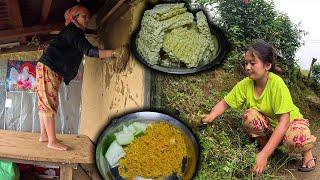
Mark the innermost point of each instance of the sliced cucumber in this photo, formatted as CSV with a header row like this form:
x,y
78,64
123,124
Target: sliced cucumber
x,y
106,142
139,134
124,137
114,153
132,129
140,127
115,141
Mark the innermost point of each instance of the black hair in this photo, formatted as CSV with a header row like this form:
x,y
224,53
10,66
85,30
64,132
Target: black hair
x,y
264,51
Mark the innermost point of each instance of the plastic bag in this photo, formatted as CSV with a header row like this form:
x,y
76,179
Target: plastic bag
x,y
9,170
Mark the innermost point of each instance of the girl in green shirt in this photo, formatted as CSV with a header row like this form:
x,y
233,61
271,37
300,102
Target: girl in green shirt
x,y
271,117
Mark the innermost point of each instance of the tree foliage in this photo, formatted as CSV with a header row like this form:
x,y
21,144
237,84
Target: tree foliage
x,y
243,23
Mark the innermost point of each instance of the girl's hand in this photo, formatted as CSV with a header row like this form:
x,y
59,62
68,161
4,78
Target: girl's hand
x,y
206,119
261,163
215,112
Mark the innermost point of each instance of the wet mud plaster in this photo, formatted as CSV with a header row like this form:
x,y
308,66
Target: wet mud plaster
x,y
108,92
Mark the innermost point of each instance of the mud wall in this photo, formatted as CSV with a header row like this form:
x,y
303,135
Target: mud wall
x,y
113,88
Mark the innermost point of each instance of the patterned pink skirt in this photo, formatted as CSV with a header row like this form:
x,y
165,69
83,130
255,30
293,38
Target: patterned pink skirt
x,y
48,83
297,139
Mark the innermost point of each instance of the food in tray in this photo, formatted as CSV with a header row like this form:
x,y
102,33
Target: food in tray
x,y
149,150
193,47
171,36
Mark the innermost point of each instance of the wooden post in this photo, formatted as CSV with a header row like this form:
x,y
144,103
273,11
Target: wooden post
x,y
66,172
311,67
29,31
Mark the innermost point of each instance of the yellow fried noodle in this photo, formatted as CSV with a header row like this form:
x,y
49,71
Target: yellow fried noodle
x,y
158,153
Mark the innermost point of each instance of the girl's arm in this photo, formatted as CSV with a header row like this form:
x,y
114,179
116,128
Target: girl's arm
x,y
105,53
84,46
121,52
273,142
277,135
216,111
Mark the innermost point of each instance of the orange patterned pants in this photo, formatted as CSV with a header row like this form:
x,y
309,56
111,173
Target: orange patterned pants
x,y
297,138
48,83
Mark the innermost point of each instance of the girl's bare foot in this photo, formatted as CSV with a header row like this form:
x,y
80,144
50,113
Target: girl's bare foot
x,y
58,146
44,138
308,160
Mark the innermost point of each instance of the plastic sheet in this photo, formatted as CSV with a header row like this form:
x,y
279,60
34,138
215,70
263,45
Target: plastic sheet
x,y
19,110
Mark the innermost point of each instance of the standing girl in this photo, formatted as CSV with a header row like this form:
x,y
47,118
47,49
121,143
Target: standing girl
x,y
271,117
60,62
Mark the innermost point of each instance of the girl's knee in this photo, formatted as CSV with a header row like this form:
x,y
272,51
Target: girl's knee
x,y
248,116
252,124
298,137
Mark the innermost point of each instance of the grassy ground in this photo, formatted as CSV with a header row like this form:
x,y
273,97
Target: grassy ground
x,y
226,152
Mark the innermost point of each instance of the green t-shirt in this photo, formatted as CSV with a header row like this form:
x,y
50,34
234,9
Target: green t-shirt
x,y
273,101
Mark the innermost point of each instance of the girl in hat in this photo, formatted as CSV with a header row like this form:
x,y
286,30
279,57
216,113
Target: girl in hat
x,y
60,62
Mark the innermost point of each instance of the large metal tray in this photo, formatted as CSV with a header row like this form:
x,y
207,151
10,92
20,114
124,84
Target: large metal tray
x,y
215,61
189,164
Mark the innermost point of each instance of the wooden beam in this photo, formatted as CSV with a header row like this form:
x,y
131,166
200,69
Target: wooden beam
x,y
118,4
29,31
46,5
4,20
15,14
116,15
14,10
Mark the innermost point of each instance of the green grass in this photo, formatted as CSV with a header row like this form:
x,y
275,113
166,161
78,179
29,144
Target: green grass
x,y
226,153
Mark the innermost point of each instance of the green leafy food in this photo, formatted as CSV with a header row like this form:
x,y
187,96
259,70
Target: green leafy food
x,y
171,29
187,50
124,137
114,153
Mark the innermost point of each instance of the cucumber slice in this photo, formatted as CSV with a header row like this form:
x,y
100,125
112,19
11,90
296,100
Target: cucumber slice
x,y
140,127
132,129
125,129
114,153
141,133
106,143
124,137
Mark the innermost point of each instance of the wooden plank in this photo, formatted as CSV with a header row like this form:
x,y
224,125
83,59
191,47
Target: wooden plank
x,y
4,21
29,31
46,5
14,10
25,146
119,3
15,14
66,172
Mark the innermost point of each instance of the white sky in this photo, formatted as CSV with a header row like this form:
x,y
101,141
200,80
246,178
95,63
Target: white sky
x,y
306,12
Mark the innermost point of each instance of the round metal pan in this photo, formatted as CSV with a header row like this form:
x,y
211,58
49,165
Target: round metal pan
x,y
215,61
189,163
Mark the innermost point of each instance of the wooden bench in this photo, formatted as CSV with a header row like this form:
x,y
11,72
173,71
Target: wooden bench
x,y
24,147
